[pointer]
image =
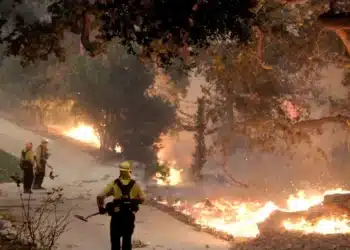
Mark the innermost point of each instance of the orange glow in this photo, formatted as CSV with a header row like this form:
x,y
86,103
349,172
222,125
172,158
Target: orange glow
x,y
87,134
241,219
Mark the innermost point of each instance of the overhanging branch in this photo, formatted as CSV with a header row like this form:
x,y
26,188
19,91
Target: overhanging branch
x,y
91,47
281,125
211,131
187,127
260,49
184,114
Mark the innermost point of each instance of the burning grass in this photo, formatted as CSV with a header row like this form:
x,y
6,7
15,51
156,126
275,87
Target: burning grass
x,y
189,220
83,133
232,220
295,241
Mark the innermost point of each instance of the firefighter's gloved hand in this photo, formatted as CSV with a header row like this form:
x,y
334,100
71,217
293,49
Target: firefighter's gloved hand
x,y
136,201
135,204
109,208
101,210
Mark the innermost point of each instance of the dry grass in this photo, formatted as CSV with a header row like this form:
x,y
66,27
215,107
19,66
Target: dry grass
x,y
36,224
7,244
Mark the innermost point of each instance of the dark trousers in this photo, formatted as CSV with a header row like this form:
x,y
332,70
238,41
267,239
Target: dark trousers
x,y
122,228
39,175
28,177
39,179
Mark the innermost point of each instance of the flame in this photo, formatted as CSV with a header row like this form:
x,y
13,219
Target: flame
x,y
241,219
323,226
87,134
84,133
301,202
174,178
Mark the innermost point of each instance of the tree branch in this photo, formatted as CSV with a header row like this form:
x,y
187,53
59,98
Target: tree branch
x,y
260,49
337,22
187,127
211,131
292,1
92,47
316,123
283,126
184,114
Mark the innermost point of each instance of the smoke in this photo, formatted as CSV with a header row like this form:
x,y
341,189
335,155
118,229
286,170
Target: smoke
x,y
330,89
179,147
267,172
316,165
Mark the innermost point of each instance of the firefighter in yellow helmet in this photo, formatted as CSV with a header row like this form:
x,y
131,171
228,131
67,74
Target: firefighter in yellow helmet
x,y
27,164
42,155
127,196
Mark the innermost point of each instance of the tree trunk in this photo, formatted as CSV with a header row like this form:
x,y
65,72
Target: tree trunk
x,y
227,137
199,156
108,136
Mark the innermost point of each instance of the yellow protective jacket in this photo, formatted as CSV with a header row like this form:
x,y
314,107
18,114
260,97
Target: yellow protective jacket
x,y
27,158
112,189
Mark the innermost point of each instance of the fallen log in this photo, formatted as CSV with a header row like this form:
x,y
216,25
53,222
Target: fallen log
x,y
338,200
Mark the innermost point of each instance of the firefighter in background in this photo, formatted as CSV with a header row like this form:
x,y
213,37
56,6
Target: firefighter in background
x,y
42,155
27,164
127,196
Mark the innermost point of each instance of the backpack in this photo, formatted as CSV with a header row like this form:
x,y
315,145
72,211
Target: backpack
x,y
125,190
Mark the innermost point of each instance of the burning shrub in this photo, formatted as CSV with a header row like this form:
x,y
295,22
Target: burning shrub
x,y
166,174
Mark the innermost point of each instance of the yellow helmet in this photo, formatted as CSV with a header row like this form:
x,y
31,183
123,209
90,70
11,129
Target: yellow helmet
x,y
44,141
125,166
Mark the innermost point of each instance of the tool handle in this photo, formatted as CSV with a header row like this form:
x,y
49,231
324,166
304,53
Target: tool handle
x,y
92,215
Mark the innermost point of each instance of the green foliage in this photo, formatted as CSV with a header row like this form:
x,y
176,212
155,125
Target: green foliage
x,y
171,24
112,93
8,166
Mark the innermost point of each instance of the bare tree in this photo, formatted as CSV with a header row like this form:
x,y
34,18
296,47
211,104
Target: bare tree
x,y
40,224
